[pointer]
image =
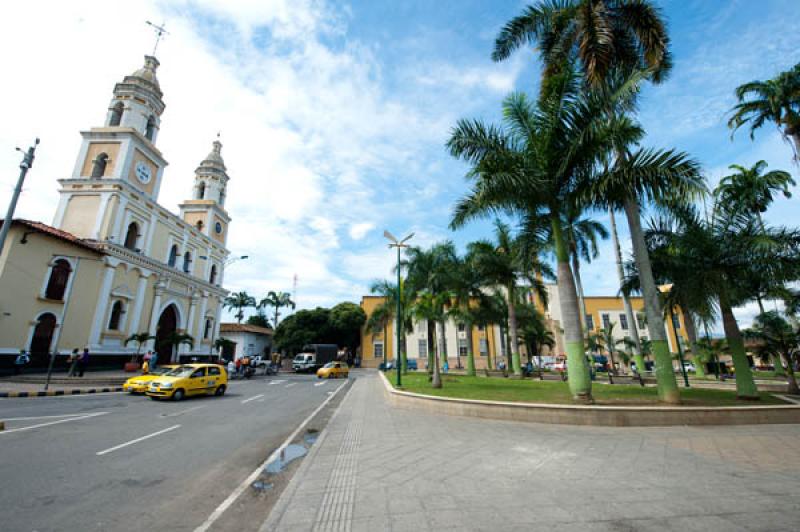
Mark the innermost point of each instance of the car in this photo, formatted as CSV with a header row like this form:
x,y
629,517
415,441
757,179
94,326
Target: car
x,y
188,380
333,370
140,383
411,365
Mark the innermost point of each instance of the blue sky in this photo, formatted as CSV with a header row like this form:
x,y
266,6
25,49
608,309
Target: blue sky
x,y
334,115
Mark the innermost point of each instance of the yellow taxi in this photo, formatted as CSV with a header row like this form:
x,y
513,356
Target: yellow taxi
x,y
189,379
333,370
140,383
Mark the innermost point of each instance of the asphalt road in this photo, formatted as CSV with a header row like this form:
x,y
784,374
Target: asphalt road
x,y
119,462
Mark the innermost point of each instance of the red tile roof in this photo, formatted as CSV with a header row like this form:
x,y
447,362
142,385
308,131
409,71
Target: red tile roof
x,y
39,227
243,327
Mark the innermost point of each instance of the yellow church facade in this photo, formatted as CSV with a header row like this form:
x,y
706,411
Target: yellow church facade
x,y
115,262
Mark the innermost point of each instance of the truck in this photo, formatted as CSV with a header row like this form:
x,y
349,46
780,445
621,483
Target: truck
x,y
314,356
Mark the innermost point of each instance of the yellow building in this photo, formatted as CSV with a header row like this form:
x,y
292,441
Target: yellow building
x,y
115,262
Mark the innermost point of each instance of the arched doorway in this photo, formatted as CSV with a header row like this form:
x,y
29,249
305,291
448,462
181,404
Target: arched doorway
x,y
167,326
42,338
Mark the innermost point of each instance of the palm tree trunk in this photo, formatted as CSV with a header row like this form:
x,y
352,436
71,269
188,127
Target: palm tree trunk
x,y
626,301
665,376
745,385
576,270
437,377
431,345
580,383
691,332
385,351
793,389
470,352
512,327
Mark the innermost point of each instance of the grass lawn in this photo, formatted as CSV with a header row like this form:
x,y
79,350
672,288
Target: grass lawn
x,y
535,391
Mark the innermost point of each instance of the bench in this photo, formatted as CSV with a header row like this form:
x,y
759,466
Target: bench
x,y
635,378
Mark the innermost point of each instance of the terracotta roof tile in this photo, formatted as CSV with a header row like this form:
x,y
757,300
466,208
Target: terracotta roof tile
x,y
243,327
40,227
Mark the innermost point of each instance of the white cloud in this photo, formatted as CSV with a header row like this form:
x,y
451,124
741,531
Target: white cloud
x,y
359,230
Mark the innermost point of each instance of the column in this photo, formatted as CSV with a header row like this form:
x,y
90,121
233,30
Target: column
x,y
201,323
101,214
138,304
190,322
154,314
116,233
102,304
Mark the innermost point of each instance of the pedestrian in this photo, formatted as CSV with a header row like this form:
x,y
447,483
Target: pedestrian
x,y
21,361
446,367
74,359
148,356
529,368
153,360
238,366
84,361
231,367
146,367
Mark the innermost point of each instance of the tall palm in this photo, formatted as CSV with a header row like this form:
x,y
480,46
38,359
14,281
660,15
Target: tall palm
x,y
502,263
636,344
775,100
582,235
534,331
778,339
610,343
239,301
378,323
713,256
176,340
466,285
277,300
600,33
389,308
140,339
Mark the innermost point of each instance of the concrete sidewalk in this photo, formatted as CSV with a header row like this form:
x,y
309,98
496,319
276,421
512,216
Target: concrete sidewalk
x,y
375,468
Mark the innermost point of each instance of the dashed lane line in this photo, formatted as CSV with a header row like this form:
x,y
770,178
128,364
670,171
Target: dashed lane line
x,y
320,383
137,440
39,425
276,382
291,384
252,398
181,412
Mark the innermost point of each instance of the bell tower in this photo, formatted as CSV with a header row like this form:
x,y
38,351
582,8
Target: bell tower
x,y
119,159
206,210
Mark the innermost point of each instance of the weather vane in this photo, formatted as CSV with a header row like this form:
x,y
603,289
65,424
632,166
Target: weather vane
x,y
160,32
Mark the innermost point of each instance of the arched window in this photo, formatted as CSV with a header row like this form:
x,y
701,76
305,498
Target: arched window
x,y
173,255
116,114
99,165
222,197
187,262
207,329
117,310
201,190
150,130
199,225
132,236
213,277
57,284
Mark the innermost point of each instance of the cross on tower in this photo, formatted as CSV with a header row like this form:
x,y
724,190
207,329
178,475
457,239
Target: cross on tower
x,y
160,32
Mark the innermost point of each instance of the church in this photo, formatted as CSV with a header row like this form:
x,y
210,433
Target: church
x,y
115,262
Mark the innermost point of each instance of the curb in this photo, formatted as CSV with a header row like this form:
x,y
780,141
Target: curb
x,y
53,393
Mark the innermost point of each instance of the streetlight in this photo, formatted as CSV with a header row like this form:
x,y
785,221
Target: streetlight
x,y
398,244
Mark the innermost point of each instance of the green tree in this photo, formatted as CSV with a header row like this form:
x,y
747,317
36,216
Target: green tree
x,y
378,323
534,332
346,321
601,34
610,344
276,300
140,339
466,284
259,319
176,340
302,328
239,301
777,339
582,235
775,100
388,308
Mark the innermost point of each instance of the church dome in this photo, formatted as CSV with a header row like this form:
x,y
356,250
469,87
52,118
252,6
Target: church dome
x,y
214,159
148,71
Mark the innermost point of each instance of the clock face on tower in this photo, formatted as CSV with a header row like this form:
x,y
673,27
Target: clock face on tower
x,y
143,172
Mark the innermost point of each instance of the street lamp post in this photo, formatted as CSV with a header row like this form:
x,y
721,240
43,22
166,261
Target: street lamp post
x,y
24,166
678,344
398,244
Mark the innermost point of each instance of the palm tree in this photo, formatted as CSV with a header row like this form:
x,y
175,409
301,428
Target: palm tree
x,y
239,301
140,339
609,38
582,235
713,257
466,285
502,263
775,100
378,322
610,343
636,345
177,339
276,300
430,307
602,34
534,331
778,340
389,308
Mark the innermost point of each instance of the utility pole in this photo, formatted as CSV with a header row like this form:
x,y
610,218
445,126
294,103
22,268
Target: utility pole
x,y
25,165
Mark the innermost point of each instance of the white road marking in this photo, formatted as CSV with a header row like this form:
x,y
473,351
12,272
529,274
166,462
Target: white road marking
x,y
137,440
788,399
275,382
291,384
254,475
43,417
252,398
320,383
180,412
53,422
79,395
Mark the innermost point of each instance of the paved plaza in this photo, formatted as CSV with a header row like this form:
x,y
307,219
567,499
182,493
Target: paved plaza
x,y
376,468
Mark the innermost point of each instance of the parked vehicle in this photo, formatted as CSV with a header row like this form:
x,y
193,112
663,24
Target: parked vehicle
x,y
333,370
313,357
411,365
189,379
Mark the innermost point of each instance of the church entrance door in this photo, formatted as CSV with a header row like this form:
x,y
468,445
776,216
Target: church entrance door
x,y
167,326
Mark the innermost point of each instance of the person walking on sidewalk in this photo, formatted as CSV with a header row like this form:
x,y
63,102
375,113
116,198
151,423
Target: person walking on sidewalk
x,y
74,360
83,362
21,361
153,360
231,368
